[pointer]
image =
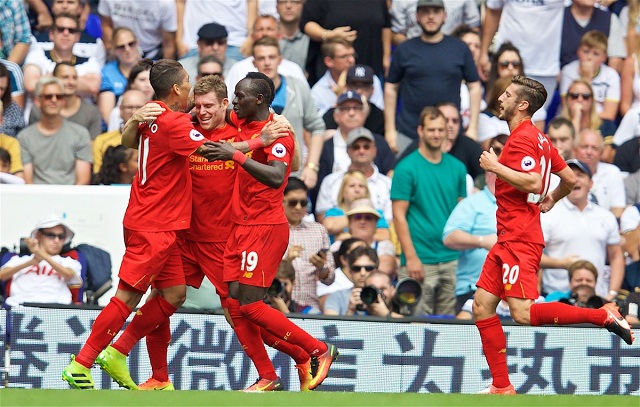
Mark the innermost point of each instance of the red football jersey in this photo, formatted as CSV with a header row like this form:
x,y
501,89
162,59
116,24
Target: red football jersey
x,y
254,202
160,197
213,184
527,149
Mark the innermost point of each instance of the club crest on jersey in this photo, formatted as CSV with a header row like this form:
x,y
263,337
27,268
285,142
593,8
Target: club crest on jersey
x,y
196,135
279,150
527,163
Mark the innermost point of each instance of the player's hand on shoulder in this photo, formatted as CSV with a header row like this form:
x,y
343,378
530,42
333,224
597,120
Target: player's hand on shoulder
x,y
150,111
216,151
274,130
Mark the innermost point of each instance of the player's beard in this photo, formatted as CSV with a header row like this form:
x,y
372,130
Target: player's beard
x,y
507,113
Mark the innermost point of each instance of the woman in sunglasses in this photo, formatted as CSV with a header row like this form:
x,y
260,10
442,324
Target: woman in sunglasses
x,y
579,106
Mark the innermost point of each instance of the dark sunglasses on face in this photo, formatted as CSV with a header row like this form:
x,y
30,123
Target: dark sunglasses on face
x,y
61,30
292,203
52,236
355,268
505,64
51,96
129,44
365,216
219,41
577,95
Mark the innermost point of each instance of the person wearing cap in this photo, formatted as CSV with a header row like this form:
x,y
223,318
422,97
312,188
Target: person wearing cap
x,y
363,219
362,152
212,41
338,57
426,71
608,183
360,79
155,27
569,233
427,186
292,99
44,276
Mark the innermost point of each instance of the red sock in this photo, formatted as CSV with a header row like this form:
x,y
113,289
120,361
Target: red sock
x,y
557,313
297,353
248,334
152,314
106,326
278,324
157,345
494,345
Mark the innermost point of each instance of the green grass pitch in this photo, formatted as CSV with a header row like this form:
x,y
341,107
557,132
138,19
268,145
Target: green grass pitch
x,y
68,398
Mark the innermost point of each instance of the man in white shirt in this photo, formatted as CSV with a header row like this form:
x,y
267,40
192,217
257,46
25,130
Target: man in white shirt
x,y
43,276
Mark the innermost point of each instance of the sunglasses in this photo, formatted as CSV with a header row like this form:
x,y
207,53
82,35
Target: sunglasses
x,y
51,96
365,216
576,96
61,30
292,203
355,268
219,41
52,236
505,64
129,44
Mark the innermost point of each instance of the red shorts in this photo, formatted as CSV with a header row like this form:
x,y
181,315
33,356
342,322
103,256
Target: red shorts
x,y
151,259
511,270
254,253
201,259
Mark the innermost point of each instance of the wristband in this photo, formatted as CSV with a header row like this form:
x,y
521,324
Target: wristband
x,y
239,157
324,36
480,239
255,143
313,166
613,293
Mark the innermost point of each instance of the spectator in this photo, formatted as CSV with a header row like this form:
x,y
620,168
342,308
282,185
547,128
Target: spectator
x,y
6,175
13,116
65,34
361,80
630,228
342,282
630,81
457,143
293,100
363,218
419,85
283,300
138,80
87,46
608,185
383,306
339,57
308,246
16,32
237,16
114,74
471,229
580,107
155,27
361,261
119,165
131,101
264,26
368,28
44,276
581,273
426,187
629,127
294,44
354,186
569,235
16,80
562,135
590,67
489,123
212,41
209,65
583,15
54,150
472,38
540,57
74,108
361,148
405,26
632,187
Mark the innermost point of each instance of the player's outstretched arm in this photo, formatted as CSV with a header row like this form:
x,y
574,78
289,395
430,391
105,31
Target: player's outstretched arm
x,y
150,111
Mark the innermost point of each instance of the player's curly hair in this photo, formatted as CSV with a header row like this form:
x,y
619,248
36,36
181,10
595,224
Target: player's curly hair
x,y
163,74
261,84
